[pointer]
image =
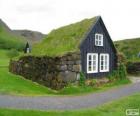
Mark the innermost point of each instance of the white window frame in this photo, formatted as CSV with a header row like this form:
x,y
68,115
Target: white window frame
x,y
92,62
98,39
105,63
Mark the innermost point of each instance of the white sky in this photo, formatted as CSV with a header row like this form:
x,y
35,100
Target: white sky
x,y
121,17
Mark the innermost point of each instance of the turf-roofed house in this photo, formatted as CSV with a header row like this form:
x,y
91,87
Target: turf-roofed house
x,y
84,47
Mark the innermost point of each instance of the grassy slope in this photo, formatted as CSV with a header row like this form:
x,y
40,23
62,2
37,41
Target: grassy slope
x,y
4,60
64,39
115,108
130,47
8,40
16,85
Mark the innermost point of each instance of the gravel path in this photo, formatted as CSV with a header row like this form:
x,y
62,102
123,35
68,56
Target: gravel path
x,y
67,102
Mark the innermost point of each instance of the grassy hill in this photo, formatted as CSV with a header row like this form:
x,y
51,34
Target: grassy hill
x,y
64,39
31,36
8,39
130,47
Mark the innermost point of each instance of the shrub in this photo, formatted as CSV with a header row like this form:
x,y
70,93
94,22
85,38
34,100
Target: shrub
x,y
82,79
113,75
12,53
91,82
121,58
122,71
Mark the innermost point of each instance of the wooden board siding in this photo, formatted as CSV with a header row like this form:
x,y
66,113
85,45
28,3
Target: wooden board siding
x,y
88,46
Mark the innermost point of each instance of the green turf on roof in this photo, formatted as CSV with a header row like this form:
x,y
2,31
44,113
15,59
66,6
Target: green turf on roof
x,y
64,39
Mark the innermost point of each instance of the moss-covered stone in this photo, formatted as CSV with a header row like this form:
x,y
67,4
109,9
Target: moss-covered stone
x,y
52,72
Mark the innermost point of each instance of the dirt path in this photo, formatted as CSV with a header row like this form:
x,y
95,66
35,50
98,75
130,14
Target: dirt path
x,y
67,102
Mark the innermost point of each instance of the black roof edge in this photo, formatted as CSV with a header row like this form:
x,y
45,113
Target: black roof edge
x,y
114,48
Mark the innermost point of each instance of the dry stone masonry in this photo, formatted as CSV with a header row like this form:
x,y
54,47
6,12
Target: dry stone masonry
x,y
53,72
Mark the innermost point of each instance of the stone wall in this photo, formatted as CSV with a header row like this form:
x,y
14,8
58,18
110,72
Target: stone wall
x,y
52,72
133,67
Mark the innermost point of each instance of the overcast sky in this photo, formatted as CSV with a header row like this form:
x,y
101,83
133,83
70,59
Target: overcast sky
x,y
121,17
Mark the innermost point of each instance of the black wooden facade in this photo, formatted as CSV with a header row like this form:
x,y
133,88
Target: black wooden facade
x,y
88,46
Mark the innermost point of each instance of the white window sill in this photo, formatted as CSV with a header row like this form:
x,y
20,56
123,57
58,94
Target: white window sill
x,y
99,45
92,72
104,70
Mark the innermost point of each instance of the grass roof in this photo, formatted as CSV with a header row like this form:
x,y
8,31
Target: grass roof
x,y
64,39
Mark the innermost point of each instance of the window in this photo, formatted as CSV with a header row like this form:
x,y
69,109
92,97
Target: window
x,y
92,63
99,39
104,62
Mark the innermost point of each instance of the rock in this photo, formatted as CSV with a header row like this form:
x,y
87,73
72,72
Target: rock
x,y
63,67
75,57
78,62
70,62
68,76
70,67
76,68
63,62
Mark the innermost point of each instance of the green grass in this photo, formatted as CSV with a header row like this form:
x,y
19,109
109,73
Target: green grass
x,y
17,85
130,47
4,60
9,40
64,39
79,90
115,108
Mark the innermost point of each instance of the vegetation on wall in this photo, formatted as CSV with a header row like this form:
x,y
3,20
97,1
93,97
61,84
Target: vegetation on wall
x,y
64,39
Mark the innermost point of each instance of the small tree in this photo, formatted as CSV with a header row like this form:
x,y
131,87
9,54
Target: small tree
x,y
121,58
114,75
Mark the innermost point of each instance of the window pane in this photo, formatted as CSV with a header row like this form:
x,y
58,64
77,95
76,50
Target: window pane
x,y
94,63
96,36
89,68
105,67
101,67
105,57
102,63
94,68
89,63
99,37
102,57
105,62
89,57
94,57
96,42
99,42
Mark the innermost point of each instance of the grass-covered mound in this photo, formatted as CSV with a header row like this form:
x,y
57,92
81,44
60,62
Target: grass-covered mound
x,y
64,39
130,47
8,39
